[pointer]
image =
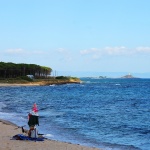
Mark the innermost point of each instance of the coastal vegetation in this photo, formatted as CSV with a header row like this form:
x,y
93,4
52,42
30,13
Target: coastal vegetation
x,y
12,73
12,70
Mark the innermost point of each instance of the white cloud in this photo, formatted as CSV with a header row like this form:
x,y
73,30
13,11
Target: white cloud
x,y
64,54
61,50
116,50
38,52
20,51
143,49
14,51
96,53
20,55
89,51
84,52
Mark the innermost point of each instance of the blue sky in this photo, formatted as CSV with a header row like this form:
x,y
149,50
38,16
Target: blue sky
x,y
74,36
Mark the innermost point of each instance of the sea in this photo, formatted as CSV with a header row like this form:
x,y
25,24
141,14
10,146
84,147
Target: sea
x,y
112,114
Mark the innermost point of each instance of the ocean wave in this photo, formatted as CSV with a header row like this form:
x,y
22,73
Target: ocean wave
x,y
2,105
48,136
102,111
14,118
109,146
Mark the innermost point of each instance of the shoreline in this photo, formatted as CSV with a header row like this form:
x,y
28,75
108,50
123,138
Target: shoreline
x,y
33,84
18,84
41,83
9,129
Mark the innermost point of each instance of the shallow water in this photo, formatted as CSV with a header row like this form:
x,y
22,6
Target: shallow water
x,y
105,113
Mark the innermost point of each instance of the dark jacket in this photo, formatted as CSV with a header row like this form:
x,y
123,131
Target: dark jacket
x,y
33,120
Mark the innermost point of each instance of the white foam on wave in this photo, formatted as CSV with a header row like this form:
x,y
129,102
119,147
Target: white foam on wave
x,y
52,85
5,115
48,135
117,84
51,113
2,105
14,118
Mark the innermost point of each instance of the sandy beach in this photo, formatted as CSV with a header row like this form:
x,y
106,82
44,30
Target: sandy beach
x,y
42,83
8,130
17,84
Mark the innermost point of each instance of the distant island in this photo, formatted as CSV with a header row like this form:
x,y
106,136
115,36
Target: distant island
x,y
129,76
102,77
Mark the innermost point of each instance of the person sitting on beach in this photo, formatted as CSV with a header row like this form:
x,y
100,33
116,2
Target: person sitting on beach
x,y
32,132
33,120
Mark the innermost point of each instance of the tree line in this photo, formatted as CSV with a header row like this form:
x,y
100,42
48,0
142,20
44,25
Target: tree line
x,y
12,70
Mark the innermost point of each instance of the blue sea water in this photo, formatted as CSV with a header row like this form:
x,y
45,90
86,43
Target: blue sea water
x,y
112,114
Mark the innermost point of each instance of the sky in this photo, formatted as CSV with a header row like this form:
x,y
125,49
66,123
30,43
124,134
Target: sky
x,y
77,37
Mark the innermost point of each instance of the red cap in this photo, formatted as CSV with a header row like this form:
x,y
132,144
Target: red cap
x,y
34,108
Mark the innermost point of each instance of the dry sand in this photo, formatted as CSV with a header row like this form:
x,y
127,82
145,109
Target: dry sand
x,y
19,84
8,130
